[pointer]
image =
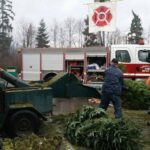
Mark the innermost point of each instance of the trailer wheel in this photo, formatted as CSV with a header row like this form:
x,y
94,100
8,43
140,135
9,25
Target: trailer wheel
x,y
23,122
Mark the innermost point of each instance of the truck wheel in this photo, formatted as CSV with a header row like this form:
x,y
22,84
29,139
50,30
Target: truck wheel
x,y
23,122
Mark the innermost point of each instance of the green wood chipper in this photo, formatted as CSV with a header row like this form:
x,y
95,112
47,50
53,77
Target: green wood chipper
x,y
22,106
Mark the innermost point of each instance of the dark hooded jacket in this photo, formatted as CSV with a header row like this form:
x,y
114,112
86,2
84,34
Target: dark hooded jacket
x,y
113,81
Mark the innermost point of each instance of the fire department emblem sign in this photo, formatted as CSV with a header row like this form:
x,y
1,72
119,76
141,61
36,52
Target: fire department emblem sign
x,y
102,16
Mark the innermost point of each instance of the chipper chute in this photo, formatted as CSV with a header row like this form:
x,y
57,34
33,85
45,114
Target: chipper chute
x,y
67,85
12,79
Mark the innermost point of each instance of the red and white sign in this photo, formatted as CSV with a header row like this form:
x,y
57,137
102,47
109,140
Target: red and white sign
x,y
102,17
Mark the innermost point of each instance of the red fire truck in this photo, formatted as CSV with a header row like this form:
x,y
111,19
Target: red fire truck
x,y
42,63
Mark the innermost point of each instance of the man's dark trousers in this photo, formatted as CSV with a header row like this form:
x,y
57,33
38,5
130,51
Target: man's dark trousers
x,y
116,101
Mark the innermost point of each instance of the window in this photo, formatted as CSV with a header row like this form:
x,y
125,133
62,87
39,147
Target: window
x,y
123,56
144,55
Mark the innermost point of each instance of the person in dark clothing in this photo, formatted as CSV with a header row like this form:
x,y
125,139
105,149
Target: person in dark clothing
x,y
112,88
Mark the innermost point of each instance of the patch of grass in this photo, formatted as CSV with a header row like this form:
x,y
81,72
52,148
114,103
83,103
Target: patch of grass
x,y
140,118
56,128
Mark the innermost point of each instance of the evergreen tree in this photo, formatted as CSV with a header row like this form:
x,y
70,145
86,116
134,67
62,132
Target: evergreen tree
x,y
6,16
42,36
90,39
136,30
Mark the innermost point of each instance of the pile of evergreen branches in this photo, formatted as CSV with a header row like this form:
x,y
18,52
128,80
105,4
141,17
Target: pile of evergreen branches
x,y
136,95
92,128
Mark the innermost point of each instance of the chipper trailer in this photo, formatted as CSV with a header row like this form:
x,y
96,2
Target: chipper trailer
x,y
22,106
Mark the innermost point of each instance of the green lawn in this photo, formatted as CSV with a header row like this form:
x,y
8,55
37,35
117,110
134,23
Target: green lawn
x,y
140,118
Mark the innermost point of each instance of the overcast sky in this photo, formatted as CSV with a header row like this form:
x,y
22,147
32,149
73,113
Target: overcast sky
x,y
35,10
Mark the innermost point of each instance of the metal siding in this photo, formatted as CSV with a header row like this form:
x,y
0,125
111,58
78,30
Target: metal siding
x,y
31,76
75,56
31,67
96,54
52,61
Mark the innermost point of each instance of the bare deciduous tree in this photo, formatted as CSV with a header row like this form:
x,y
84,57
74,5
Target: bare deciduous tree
x,y
114,37
101,37
67,33
70,29
148,35
80,28
62,37
31,31
54,31
26,34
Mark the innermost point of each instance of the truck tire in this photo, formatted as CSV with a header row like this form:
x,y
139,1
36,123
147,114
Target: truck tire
x,y
23,122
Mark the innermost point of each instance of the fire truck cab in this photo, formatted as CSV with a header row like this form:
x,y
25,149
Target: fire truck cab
x,y
135,59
